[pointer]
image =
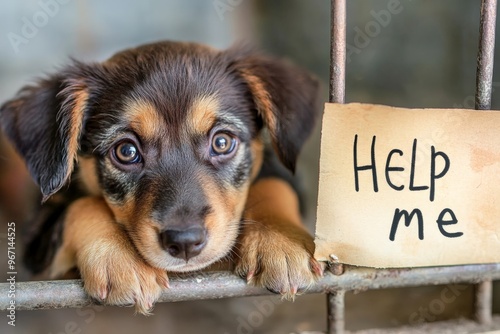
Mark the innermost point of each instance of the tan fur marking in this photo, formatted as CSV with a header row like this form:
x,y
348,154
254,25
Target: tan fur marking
x,y
143,231
80,98
88,175
203,113
228,201
262,98
275,250
78,232
144,119
124,213
273,200
226,208
257,148
221,223
111,269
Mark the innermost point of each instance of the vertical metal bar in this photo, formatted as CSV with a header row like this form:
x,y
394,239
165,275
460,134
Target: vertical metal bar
x,y
484,79
484,292
336,300
336,312
337,73
338,51
485,58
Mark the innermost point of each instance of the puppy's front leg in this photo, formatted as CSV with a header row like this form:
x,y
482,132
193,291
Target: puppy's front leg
x,y
110,267
275,251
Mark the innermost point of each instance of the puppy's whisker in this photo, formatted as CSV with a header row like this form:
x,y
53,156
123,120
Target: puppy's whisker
x,y
232,252
248,222
261,225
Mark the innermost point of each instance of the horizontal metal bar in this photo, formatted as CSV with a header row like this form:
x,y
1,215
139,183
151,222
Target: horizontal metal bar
x,y
447,326
70,294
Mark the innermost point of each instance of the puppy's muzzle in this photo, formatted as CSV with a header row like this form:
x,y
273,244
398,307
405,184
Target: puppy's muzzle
x,y
184,244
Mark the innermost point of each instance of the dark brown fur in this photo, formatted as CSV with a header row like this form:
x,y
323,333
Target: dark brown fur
x,y
115,221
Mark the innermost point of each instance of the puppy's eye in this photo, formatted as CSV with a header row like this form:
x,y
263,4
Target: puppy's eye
x,y
127,153
222,144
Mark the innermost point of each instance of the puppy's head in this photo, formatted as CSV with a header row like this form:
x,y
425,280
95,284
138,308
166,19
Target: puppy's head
x,y
169,135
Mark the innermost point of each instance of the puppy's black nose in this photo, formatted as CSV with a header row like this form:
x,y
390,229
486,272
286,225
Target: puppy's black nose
x,y
184,244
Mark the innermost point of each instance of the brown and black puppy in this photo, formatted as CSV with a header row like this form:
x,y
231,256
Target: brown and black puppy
x,y
154,162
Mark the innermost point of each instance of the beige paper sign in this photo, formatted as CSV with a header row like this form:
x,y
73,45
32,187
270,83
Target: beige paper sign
x,y
409,187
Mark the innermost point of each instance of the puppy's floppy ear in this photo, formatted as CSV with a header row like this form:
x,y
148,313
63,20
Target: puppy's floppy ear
x,y
286,98
44,122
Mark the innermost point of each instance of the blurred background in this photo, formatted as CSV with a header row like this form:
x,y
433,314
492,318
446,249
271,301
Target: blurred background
x,y
423,56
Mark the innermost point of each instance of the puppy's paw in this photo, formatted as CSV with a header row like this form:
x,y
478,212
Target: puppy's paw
x,y
114,274
279,258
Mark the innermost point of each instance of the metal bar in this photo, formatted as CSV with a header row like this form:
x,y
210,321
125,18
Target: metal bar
x,y
486,51
69,293
337,51
484,79
336,312
447,326
484,305
335,301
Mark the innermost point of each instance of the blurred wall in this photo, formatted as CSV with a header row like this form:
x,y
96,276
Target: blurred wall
x,y
38,35
422,56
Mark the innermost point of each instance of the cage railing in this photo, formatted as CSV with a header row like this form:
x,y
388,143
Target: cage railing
x,y
338,280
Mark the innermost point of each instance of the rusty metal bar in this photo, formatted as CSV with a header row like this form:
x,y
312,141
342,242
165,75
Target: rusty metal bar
x,y
483,305
484,79
336,300
447,326
70,294
486,51
336,312
337,51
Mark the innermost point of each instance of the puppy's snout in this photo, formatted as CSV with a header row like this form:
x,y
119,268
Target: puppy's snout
x,y
184,244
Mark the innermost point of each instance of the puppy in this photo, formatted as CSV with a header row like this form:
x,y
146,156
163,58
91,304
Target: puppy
x,y
156,161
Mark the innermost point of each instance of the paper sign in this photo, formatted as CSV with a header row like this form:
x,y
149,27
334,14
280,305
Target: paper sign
x,y
409,187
